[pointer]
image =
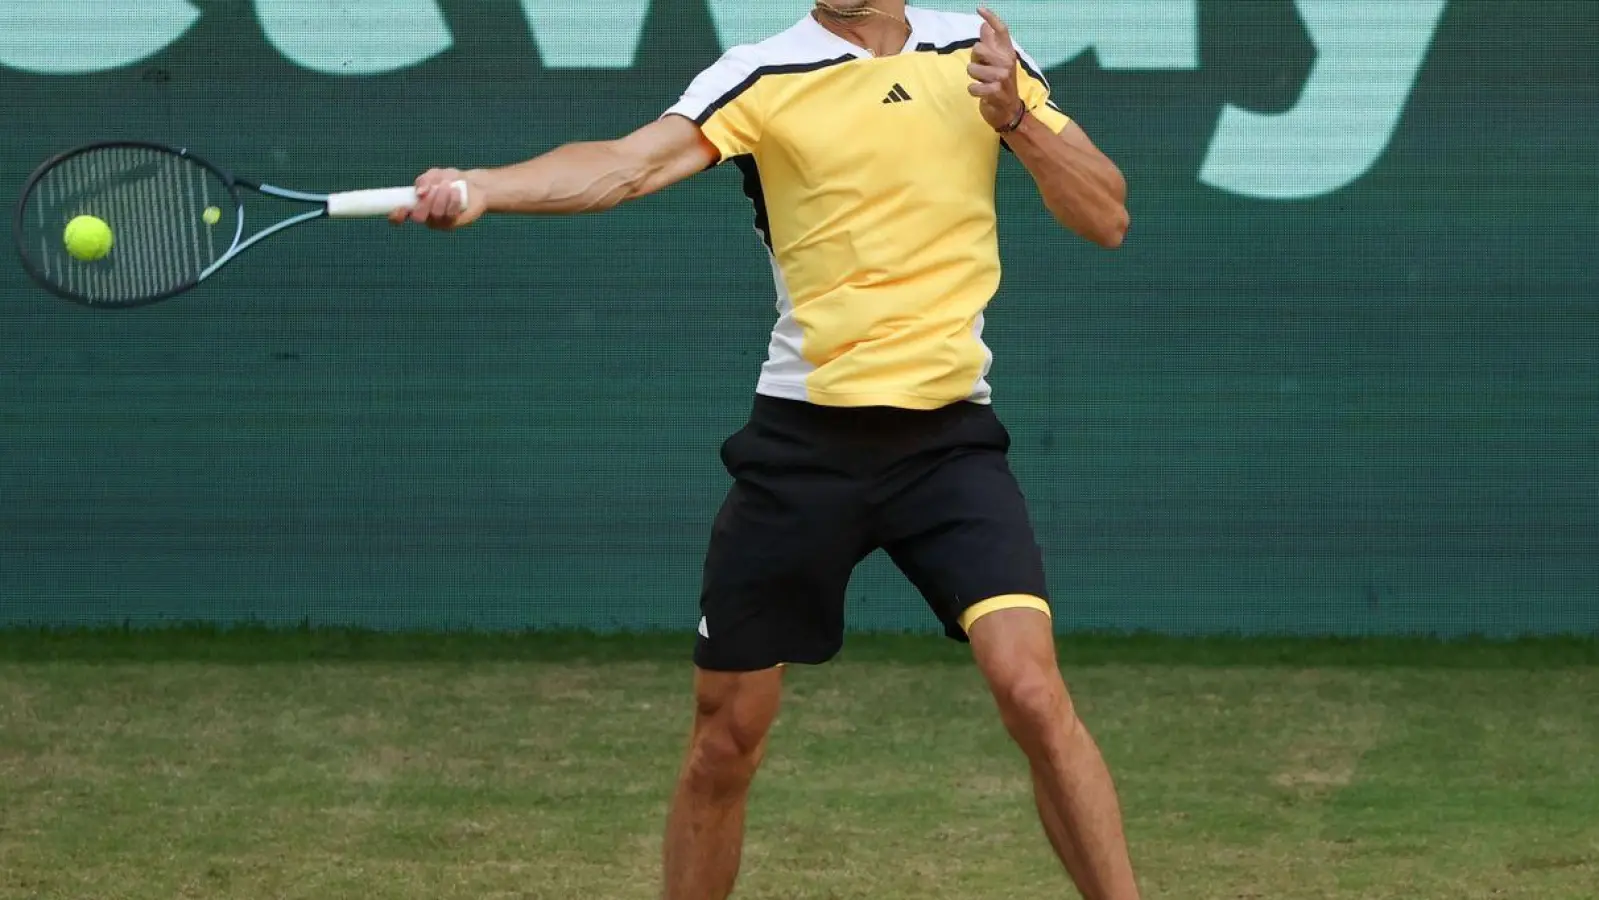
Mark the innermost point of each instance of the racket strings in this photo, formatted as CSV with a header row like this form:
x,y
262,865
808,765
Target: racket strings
x,y
154,202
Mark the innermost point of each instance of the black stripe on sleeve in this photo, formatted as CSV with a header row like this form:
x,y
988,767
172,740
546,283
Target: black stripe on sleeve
x,y
762,72
947,49
1039,76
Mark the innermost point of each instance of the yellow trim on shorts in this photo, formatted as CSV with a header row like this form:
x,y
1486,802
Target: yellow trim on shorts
x,y
995,604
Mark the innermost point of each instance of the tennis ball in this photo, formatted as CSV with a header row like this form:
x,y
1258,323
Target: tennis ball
x,y
212,215
88,238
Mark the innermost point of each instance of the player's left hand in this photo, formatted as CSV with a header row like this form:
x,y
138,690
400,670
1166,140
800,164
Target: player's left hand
x,y
993,72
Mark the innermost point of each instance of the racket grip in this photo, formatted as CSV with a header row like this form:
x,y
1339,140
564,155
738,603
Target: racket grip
x,y
380,202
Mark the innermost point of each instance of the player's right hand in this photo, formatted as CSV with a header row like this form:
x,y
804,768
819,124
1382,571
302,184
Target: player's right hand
x,y
438,205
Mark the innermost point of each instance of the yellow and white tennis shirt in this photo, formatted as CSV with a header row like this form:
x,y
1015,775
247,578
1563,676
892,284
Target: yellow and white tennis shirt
x,y
873,184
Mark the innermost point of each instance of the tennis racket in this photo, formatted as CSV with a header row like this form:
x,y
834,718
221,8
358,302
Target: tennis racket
x,y
175,220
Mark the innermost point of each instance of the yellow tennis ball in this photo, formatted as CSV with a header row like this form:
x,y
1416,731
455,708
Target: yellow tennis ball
x,y
88,238
212,215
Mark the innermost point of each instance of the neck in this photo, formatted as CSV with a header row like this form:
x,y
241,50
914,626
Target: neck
x,y
879,25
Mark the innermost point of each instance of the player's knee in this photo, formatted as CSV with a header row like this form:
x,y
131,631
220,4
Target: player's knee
x,y
727,746
1035,706
723,757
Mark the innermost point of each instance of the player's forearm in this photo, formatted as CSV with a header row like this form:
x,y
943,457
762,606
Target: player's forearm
x,y
575,178
1082,189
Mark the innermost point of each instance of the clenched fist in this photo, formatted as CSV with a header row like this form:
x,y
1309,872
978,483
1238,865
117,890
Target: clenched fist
x,y
438,206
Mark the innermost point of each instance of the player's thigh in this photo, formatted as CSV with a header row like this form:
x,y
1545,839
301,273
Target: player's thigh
x,y
781,552
964,537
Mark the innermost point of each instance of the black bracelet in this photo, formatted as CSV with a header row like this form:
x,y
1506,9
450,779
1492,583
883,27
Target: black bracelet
x,y
1018,122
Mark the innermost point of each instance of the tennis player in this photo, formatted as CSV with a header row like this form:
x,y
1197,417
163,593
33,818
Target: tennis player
x,y
868,136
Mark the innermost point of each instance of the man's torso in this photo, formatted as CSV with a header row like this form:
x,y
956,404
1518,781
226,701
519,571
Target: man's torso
x,y
873,181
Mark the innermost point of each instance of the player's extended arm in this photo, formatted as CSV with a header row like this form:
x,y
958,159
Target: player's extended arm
x,y
574,178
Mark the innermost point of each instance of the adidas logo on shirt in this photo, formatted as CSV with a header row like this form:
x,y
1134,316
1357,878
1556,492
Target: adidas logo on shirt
x,y
897,95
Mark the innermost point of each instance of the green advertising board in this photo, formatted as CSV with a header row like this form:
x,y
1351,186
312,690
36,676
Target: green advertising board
x,y
1342,378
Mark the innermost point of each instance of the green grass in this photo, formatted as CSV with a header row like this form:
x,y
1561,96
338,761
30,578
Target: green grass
x,y
328,765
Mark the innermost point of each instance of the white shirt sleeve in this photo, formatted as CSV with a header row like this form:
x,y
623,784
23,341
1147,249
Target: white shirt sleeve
x,y
723,101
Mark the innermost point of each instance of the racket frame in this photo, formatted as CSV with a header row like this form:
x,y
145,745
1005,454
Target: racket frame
x,y
19,224
349,204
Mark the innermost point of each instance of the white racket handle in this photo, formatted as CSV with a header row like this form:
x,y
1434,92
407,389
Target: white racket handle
x,y
380,202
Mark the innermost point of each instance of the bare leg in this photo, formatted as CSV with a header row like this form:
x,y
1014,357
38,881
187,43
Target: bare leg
x,y
705,831
1059,836
1015,649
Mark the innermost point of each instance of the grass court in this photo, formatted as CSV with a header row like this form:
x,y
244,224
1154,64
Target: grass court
x,y
331,765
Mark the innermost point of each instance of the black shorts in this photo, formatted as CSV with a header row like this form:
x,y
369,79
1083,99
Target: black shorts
x,y
816,489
